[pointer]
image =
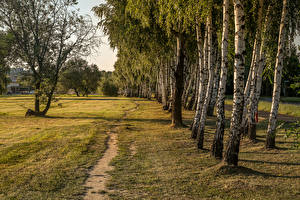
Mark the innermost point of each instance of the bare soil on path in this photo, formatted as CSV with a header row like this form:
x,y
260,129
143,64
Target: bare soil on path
x,y
98,176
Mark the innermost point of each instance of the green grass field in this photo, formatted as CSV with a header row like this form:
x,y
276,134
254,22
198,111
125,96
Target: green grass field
x,y
49,158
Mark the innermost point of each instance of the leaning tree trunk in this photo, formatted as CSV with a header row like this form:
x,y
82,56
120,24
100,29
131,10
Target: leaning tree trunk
x,y
232,151
210,84
202,56
251,108
217,146
270,141
179,84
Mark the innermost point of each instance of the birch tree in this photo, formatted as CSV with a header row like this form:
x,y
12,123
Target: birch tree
x,y
232,150
217,146
270,141
209,84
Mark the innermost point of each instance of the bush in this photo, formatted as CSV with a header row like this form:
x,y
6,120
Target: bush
x,y
108,87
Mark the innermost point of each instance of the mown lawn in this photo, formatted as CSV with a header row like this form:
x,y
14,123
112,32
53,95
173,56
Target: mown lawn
x,y
49,158
158,162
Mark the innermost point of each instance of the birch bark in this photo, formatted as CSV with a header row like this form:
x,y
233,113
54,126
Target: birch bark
x,y
217,146
203,77
270,141
251,108
208,85
232,151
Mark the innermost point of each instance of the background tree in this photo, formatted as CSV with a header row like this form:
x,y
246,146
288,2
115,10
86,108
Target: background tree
x,y
47,33
6,42
107,84
80,76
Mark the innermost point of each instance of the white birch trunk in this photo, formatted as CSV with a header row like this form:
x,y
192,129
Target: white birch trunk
x,y
270,141
203,79
232,151
209,85
261,63
217,146
214,95
251,108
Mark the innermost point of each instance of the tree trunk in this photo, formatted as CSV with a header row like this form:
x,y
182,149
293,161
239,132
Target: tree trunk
x,y
202,56
214,96
200,134
187,92
77,93
270,141
179,84
217,146
261,63
232,151
196,89
164,87
37,97
251,108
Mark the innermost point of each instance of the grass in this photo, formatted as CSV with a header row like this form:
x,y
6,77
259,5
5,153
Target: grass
x,y
49,158
167,164
285,109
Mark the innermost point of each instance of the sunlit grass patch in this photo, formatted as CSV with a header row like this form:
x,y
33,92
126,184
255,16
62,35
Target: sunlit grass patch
x,y
48,158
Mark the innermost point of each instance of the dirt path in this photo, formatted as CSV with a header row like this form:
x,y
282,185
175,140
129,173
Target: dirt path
x,y
99,176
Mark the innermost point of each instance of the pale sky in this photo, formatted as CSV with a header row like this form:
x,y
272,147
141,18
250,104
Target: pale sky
x,y
105,56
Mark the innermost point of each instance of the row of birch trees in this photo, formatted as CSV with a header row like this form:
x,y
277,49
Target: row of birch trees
x,y
185,52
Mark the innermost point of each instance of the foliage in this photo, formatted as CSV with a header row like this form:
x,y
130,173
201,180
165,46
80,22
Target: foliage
x,y
6,42
80,76
294,132
107,85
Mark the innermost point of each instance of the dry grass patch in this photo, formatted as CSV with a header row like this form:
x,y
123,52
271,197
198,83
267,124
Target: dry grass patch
x,y
49,158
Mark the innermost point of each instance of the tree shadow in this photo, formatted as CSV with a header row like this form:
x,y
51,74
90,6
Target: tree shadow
x,y
230,170
103,99
271,163
160,121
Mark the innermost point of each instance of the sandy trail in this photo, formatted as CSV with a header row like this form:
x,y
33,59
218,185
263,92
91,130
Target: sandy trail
x,y
98,177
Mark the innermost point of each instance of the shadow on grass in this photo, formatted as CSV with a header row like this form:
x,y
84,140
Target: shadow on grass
x,y
229,170
103,99
277,142
161,121
271,163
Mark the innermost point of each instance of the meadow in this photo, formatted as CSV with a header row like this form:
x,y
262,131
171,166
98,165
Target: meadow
x,y
49,158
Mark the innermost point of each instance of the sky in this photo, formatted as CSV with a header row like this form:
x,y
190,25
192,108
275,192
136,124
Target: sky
x,y
105,57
